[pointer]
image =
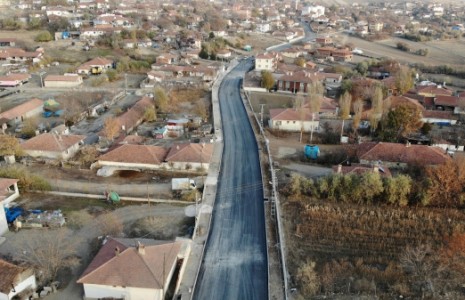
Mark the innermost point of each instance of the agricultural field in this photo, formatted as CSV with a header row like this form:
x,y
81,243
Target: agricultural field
x,y
360,250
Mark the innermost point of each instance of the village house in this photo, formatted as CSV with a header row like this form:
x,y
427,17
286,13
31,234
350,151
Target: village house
x,y
134,269
324,40
7,42
17,282
395,155
99,64
53,146
21,112
134,157
166,59
190,156
62,81
224,54
135,115
8,192
14,79
360,169
289,119
266,62
20,55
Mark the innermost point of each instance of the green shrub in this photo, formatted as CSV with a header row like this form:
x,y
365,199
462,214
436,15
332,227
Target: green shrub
x,y
27,181
44,36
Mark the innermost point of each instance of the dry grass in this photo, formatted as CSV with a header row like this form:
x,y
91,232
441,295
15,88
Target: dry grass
x,y
363,241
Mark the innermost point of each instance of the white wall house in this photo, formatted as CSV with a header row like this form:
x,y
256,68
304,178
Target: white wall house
x,y
265,62
53,146
292,120
8,192
16,280
132,269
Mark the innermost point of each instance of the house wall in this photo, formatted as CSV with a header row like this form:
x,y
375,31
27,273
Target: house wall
x,y
94,291
131,166
30,282
62,84
390,165
3,227
65,155
182,165
294,125
435,120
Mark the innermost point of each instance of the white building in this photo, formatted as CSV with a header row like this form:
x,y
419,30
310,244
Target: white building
x,y
53,146
8,192
16,280
263,27
139,269
288,119
313,11
265,62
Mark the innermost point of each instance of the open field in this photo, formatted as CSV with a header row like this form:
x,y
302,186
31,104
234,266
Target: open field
x,y
357,250
450,52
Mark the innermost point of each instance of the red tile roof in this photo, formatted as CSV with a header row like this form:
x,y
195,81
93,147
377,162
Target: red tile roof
x,y
138,154
401,153
52,142
195,153
446,100
433,90
135,114
130,268
9,276
361,169
66,78
21,109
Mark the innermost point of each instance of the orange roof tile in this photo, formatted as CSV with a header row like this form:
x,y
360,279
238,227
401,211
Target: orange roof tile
x,y
139,154
52,142
21,109
400,153
130,268
195,153
9,274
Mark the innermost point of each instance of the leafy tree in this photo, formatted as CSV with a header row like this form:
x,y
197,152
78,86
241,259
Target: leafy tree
x,y
150,114
112,75
300,61
161,99
344,108
267,80
44,36
445,184
9,145
377,107
315,97
400,122
404,79
358,110
397,189
371,186
111,128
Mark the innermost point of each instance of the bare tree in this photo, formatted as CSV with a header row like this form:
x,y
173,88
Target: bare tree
x,y
111,128
110,224
299,106
49,252
9,145
308,279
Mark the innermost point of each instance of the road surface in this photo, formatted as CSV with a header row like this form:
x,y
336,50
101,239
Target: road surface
x,y
235,261
309,36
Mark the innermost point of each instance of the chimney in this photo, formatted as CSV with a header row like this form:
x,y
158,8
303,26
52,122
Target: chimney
x,y
117,251
339,169
140,248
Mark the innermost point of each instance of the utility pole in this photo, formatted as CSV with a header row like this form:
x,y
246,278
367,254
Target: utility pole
x,y
261,114
125,83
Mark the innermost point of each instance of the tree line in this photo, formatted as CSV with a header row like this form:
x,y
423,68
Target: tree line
x,y
440,186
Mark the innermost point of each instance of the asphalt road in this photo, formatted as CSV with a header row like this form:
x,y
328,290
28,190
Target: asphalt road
x,y
235,261
309,36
